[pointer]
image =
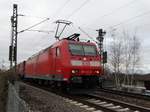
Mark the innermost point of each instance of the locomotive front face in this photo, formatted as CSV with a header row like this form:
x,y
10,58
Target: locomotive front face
x,y
85,62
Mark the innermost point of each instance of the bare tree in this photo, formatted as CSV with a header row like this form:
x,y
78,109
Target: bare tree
x,y
116,58
131,50
135,51
124,57
127,56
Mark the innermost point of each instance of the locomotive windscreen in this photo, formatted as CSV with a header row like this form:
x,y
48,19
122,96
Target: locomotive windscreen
x,y
79,49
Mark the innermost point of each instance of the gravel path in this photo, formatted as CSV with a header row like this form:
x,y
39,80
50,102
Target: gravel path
x,y
42,101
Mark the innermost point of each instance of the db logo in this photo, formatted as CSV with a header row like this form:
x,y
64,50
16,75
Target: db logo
x,y
86,63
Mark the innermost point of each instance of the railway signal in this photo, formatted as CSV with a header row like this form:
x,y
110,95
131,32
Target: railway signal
x,y
100,40
105,57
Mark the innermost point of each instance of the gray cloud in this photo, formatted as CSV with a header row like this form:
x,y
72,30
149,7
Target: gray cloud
x,y
89,17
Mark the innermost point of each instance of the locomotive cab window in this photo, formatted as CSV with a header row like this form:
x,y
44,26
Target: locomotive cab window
x,y
89,50
76,49
79,49
57,51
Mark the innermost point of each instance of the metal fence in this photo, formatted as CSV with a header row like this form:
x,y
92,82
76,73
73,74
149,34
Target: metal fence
x,y
15,103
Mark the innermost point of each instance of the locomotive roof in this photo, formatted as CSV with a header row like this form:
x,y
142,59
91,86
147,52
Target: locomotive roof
x,y
79,42
59,42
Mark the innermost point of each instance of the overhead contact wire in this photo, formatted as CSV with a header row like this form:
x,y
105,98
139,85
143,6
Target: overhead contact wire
x,y
117,9
33,25
87,34
130,19
76,10
61,8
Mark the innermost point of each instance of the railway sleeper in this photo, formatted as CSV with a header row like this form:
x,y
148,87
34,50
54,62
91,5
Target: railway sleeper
x,y
117,108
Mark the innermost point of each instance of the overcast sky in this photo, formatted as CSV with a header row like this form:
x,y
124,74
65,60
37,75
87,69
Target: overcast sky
x,y
132,15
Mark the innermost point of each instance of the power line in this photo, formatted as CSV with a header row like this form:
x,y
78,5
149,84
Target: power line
x,y
54,14
130,19
61,7
117,9
76,10
24,15
87,34
83,31
33,25
58,11
42,31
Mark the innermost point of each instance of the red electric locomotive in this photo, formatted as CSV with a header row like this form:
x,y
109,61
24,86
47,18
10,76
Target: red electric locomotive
x,y
67,62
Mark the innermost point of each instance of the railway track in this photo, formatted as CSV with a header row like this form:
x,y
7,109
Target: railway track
x,y
96,103
127,94
111,105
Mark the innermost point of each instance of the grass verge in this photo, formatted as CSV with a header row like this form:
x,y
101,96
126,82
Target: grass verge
x,y
4,77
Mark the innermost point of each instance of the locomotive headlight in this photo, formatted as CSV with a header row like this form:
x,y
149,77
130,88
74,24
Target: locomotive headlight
x,y
97,71
73,71
84,59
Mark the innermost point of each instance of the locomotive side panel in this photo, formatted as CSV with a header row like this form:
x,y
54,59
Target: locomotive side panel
x,y
30,67
57,67
65,61
21,69
42,64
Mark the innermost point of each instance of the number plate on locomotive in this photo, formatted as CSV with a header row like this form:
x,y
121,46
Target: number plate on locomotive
x,y
86,63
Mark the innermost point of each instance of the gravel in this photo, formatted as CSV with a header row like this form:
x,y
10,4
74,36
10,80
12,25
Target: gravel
x,y
43,101
126,99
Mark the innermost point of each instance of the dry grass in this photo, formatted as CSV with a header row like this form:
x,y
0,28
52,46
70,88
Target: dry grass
x,y
4,77
3,91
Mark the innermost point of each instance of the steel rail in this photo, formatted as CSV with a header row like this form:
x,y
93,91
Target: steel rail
x,y
128,94
123,104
